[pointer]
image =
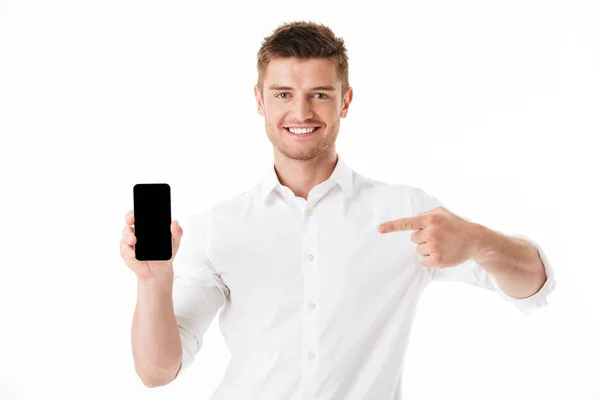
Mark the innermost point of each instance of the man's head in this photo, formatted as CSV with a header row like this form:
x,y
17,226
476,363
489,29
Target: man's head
x,y
303,82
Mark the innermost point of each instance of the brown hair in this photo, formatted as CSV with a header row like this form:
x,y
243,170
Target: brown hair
x,y
303,40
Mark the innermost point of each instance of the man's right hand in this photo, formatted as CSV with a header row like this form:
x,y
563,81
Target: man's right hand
x,y
147,270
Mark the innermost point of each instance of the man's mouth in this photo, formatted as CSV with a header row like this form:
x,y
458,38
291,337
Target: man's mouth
x,y
307,131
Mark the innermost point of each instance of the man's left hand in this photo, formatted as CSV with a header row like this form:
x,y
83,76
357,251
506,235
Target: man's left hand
x,y
443,238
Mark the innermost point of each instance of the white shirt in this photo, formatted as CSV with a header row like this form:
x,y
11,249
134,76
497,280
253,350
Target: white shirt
x,y
314,302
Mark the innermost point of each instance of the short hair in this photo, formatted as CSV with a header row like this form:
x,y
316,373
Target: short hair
x,y
303,40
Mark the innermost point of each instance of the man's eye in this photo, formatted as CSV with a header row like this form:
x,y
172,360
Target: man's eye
x,y
318,94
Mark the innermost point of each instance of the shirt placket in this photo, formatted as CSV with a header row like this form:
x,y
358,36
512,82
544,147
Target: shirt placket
x,y
310,301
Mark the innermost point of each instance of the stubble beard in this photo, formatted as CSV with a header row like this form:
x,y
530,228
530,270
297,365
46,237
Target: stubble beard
x,y
302,151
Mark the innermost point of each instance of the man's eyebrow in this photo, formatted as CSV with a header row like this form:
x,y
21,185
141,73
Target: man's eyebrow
x,y
279,87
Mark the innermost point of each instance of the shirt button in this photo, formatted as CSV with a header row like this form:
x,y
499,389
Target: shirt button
x,y
311,356
311,305
309,211
311,257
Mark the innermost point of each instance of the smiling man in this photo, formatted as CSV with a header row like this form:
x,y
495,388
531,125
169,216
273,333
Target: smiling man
x,y
317,269
302,98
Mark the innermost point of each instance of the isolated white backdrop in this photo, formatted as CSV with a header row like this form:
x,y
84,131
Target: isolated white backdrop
x,y
490,106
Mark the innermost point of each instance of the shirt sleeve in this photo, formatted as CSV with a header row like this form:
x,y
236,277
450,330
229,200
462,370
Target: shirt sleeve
x,y
474,274
198,291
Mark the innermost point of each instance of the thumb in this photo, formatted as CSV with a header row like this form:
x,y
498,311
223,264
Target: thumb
x,y
176,230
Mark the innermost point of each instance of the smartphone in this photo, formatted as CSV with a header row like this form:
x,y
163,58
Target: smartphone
x,y
152,222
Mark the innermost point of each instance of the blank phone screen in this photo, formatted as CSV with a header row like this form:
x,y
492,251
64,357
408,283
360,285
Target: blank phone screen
x,y
152,221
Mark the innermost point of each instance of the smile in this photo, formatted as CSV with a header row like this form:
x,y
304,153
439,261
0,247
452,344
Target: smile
x,y
302,131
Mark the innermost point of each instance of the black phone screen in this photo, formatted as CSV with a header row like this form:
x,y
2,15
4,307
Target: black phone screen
x,y
152,221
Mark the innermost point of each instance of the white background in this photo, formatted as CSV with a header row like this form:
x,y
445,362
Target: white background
x,y
492,107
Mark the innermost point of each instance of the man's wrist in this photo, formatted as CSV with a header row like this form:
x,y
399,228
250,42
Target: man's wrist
x,y
161,283
482,239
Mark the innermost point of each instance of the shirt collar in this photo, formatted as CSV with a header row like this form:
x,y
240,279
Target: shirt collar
x,y
341,175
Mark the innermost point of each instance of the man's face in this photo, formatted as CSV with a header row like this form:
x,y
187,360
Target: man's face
x,y
302,93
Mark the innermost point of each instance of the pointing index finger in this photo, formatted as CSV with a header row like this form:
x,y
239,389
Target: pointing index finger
x,y
404,224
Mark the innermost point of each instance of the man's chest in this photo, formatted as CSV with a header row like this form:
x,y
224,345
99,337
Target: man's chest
x,y
340,261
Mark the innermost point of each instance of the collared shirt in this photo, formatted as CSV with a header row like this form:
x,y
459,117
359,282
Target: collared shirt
x,y
314,302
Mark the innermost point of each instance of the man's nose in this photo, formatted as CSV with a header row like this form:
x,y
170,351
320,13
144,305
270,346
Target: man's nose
x,y
302,109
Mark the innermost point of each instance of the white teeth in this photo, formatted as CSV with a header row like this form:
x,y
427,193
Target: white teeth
x,y
301,131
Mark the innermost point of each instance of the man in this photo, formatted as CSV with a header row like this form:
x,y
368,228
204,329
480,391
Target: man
x,y
317,270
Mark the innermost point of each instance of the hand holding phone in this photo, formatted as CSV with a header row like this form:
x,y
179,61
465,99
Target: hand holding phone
x,y
150,246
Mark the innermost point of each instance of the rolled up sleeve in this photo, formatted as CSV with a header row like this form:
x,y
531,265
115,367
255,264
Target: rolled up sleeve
x,y
198,290
538,299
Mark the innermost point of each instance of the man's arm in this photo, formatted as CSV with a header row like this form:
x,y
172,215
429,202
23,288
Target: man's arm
x,y
155,340
514,263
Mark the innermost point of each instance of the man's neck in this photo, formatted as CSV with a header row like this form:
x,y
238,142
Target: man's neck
x,y
300,176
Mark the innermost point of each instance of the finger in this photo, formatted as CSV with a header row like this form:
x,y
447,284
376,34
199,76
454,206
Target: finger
x,y
130,239
423,249
128,230
428,261
403,224
127,251
129,217
128,235
176,229
418,236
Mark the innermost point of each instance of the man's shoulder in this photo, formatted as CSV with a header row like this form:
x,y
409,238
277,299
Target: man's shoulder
x,y
404,195
227,205
238,202
377,187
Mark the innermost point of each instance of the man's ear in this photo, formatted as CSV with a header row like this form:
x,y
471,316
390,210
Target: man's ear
x,y
346,102
259,101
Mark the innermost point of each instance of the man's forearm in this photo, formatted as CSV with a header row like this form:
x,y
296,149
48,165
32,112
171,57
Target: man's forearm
x,y
514,263
155,337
